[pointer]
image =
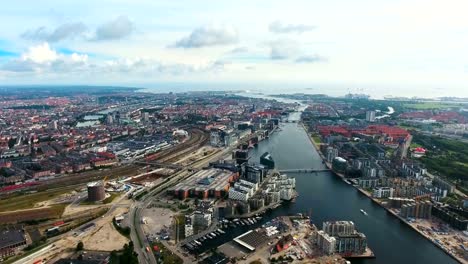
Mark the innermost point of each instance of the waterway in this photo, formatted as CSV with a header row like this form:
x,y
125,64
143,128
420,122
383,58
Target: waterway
x,y
326,197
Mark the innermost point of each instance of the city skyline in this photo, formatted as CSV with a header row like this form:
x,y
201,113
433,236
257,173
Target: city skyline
x,y
402,46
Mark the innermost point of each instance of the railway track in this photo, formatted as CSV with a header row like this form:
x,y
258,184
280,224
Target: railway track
x,y
76,180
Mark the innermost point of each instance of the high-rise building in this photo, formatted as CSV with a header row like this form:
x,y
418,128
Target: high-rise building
x,y
326,243
255,173
421,209
332,153
238,194
334,228
352,244
145,116
215,138
189,225
109,119
370,116
53,125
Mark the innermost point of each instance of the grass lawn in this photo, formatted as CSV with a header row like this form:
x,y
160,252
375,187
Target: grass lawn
x,y
430,105
316,138
58,209
415,145
462,164
27,201
111,198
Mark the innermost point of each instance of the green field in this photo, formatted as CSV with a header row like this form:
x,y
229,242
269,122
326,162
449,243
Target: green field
x,y
316,139
446,156
27,201
167,255
431,105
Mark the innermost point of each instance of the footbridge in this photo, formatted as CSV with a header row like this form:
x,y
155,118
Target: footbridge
x,y
306,170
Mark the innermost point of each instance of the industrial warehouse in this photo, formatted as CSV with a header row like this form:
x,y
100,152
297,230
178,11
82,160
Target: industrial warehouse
x,y
205,183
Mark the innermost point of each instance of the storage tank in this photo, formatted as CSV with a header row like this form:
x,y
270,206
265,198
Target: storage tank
x,y
96,191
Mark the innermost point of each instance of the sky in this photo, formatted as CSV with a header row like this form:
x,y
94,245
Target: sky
x,y
408,47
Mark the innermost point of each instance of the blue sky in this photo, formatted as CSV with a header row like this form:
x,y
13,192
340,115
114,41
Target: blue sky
x,y
399,44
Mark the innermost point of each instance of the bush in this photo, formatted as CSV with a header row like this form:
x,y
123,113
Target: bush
x,y
79,246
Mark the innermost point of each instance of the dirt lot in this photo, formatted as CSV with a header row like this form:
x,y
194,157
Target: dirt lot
x,y
157,218
102,237
106,238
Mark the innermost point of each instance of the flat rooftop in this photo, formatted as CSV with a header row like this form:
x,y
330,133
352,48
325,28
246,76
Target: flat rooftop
x,y
251,240
10,237
210,179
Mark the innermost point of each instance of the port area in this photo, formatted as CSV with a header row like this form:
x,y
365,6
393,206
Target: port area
x,y
285,238
451,241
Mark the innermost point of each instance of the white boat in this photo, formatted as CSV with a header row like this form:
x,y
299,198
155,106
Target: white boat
x,y
213,234
363,212
221,231
198,243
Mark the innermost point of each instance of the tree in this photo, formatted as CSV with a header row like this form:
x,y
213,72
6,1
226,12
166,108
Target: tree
x,y
11,142
79,246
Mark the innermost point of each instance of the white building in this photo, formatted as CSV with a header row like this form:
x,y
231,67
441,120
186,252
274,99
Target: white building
x,y
145,116
382,192
332,153
237,194
245,188
286,194
253,185
188,230
215,139
370,116
326,243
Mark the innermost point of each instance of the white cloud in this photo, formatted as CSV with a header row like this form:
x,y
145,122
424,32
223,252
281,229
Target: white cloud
x,y
310,59
45,60
65,31
283,49
42,58
280,27
239,50
118,28
40,54
212,35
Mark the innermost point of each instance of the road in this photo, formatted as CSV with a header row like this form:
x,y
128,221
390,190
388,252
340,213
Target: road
x,y
137,207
